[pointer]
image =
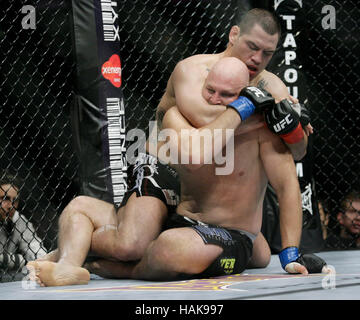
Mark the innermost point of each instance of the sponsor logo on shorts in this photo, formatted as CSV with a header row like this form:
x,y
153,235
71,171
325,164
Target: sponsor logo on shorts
x,y
111,70
228,265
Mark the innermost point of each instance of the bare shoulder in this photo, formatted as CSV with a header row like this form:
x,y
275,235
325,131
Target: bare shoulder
x,y
200,59
199,62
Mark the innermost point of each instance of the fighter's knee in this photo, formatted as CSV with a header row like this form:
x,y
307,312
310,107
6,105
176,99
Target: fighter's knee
x,y
128,251
266,258
260,260
78,204
75,207
126,248
264,261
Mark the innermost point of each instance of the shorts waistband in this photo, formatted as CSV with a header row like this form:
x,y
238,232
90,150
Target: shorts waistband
x,y
250,235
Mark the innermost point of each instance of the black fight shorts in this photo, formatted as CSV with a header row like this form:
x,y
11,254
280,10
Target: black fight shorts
x,y
149,177
237,246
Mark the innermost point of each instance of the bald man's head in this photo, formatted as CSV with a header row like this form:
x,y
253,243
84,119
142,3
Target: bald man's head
x,y
225,81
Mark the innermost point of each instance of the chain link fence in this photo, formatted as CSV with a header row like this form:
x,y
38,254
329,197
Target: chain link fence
x,y
35,137
37,78
333,70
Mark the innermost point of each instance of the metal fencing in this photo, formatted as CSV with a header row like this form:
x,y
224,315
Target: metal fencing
x,y
37,71
35,137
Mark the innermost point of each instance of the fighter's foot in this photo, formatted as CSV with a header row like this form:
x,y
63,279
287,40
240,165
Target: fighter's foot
x,y
47,273
51,256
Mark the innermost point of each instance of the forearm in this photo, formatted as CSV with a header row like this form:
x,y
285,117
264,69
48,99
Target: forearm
x,y
186,87
298,150
290,215
204,115
206,142
284,121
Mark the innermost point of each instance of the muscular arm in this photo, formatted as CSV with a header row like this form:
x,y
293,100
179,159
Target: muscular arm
x,y
278,90
193,143
280,169
185,85
187,82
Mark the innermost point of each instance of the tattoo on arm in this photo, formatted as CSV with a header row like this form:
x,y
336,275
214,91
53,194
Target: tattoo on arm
x,y
262,84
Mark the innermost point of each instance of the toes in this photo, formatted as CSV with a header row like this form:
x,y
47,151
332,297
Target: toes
x,y
34,272
31,271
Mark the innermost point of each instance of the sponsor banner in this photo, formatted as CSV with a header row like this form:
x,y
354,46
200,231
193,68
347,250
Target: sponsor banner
x,y
287,64
111,70
99,112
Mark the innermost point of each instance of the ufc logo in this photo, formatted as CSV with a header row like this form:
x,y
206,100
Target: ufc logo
x,y
256,91
281,125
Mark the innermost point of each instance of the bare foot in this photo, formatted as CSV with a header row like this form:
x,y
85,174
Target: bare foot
x,y
47,273
51,256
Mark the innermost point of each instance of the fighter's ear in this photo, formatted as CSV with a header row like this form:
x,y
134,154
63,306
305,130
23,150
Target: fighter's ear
x,y
234,34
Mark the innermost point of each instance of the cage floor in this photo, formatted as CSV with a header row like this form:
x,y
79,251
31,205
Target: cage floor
x,y
255,284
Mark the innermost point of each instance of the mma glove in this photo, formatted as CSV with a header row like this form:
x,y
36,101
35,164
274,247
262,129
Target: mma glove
x,y
284,121
251,100
311,262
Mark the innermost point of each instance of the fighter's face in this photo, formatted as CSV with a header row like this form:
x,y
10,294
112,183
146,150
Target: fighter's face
x,y
254,48
219,92
9,201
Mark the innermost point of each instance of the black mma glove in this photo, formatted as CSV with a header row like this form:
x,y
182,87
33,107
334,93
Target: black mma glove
x,y
251,100
285,122
311,262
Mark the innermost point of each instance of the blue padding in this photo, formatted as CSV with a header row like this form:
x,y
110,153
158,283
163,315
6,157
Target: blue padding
x,y
243,106
288,255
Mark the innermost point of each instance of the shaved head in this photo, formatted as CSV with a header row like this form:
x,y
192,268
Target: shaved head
x,y
225,80
231,70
